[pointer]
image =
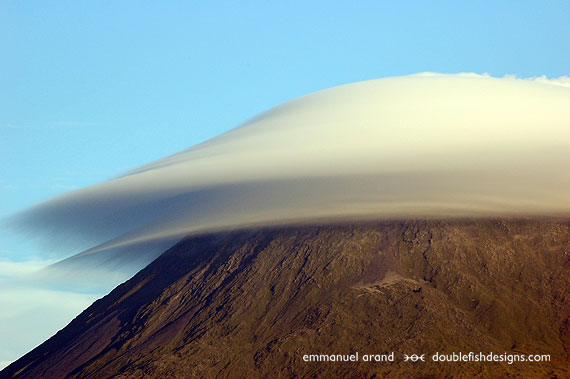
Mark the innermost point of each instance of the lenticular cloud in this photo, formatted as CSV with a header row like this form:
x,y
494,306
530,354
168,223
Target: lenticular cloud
x,y
425,145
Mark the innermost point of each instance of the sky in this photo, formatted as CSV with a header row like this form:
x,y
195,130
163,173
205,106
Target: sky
x,y
131,82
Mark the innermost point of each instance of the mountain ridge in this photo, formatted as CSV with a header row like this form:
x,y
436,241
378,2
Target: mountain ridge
x,y
253,302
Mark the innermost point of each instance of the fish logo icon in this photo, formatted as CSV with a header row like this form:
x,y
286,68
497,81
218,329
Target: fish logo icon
x,y
414,357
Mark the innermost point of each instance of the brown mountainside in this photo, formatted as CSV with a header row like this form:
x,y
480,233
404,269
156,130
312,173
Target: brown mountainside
x,y
251,303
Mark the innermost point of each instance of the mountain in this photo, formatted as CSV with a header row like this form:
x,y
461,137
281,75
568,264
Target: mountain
x,y
252,303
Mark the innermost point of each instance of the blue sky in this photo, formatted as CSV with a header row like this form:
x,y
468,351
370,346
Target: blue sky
x,y
91,89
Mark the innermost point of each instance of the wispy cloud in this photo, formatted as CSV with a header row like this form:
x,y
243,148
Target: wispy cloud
x,y
73,124
561,80
12,126
7,186
27,304
49,125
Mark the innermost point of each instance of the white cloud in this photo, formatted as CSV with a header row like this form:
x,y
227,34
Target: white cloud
x,y
417,146
11,126
73,123
30,311
52,125
561,80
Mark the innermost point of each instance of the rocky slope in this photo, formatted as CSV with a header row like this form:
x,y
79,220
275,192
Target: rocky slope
x,y
251,303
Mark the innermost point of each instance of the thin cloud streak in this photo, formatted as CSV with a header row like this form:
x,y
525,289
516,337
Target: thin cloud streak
x,y
52,125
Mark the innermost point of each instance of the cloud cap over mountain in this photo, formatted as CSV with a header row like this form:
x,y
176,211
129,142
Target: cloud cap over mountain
x,y
426,145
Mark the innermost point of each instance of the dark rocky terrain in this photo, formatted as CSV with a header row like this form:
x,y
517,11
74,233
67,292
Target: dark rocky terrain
x,y
251,303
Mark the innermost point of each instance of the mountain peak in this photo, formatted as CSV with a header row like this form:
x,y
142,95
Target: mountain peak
x,y
254,302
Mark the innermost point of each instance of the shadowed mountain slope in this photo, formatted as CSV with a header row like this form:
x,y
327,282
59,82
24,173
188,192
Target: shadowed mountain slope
x,y
251,303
